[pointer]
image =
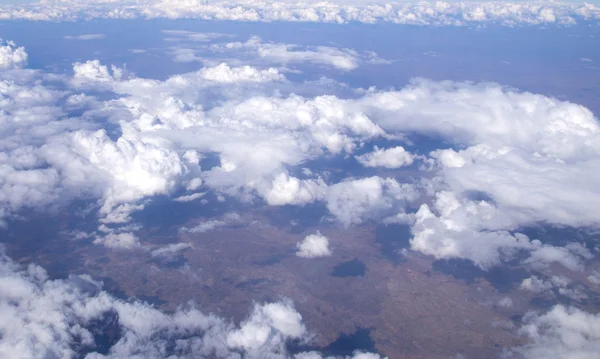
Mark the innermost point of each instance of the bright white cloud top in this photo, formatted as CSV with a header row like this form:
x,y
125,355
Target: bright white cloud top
x,y
502,160
313,246
398,12
11,56
389,158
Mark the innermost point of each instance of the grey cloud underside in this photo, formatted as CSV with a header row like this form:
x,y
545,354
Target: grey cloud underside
x,y
414,13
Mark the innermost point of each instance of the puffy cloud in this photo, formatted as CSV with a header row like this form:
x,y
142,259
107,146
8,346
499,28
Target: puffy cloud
x,y
65,319
93,71
479,231
413,13
372,198
506,146
390,158
225,74
562,332
313,246
562,285
11,56
123,240
290,190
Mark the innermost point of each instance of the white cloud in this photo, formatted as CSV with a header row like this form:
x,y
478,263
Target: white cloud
x,y
394,157
11,56
225,74
355,201
41,318
93,71
123,240
343,59
228,219
86,37
561,333
190,197
413,13
513,145
170,249
313,246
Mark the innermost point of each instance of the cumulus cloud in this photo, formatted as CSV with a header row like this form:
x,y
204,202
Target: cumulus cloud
x,y
506,146
372,198
419,13
11,56
559,284
125,240
313,246
66,318
225,74
562,332
389,158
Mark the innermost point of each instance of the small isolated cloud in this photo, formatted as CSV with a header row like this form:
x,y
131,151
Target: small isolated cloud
x,y
125,240
389,158
86,37
225,74
313,246
170,250
585,59
229,219
190,197
11,56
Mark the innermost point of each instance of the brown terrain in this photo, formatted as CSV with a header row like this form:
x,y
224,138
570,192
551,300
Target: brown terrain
x,y
361,296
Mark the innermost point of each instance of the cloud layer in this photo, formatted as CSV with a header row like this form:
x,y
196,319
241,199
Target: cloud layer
x,y
508,159
413,13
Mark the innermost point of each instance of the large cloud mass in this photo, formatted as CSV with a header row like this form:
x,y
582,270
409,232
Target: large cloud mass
x,y
413,13
515,159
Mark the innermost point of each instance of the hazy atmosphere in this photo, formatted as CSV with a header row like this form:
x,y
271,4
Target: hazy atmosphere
x,y
299,180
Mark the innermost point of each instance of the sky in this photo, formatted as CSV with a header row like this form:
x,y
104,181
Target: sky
x,y
181,180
